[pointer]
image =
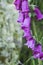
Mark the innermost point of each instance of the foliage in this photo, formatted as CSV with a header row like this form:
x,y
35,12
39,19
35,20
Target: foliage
x,y
10,34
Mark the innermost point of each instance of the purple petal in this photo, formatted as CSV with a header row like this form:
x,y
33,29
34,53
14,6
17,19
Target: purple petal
x,y
21,17
37,50
41,56
27,35
38,13
25,7
17,3
36,55
40,17
30,43
26,23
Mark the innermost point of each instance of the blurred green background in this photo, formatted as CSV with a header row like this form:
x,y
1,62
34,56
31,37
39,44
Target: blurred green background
x,y
12,48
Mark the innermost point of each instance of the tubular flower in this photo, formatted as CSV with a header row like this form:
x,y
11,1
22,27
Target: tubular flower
x,y
38,13
21,17
41,56
26,23
25,7
37,50
17,3
30,43
27,35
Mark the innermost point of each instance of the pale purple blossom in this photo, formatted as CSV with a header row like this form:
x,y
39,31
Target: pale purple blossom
x,y
26,23
31,43
27,35
25,6
21,17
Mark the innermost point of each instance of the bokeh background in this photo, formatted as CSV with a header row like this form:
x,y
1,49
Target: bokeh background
x,y
12,48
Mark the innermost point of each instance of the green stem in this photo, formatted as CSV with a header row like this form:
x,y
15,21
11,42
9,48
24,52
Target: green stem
x,y
39,62
33,62
28,59
35,33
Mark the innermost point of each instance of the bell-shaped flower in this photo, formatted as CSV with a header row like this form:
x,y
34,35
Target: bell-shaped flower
x,y
25,6
37,50
38,13
31,43
27,35
21,17
41,56
17,3
26,23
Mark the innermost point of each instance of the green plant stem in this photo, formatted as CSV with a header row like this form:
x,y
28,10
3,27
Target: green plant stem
x,y
33,61
34,29
28,60
35,33
39,62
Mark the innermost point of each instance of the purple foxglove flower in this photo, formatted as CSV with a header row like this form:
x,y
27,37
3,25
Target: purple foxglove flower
x,y
26,23
25,7
39,15
17,3
37,50
20,18
41,56
27,35
30,43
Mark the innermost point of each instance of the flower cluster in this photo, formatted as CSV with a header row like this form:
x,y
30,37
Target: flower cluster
x,y
25,20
